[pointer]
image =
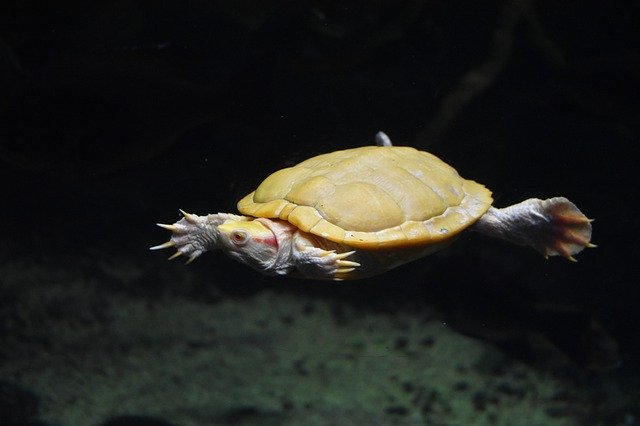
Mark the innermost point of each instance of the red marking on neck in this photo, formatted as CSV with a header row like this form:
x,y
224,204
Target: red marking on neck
x,y
280,229
271,241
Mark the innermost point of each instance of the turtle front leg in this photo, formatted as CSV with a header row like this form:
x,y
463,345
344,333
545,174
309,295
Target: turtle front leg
x,y
317,263
193,235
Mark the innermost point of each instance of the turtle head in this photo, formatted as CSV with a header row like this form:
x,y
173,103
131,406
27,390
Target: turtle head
x,y
257,242
249,242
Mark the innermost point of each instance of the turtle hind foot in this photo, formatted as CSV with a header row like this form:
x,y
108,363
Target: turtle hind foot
x,y
568,231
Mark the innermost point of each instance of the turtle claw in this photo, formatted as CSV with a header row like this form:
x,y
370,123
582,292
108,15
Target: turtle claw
x,y
347,263
315,262
342,274
191,218
172,228
174,255
344,267
163,246
344,255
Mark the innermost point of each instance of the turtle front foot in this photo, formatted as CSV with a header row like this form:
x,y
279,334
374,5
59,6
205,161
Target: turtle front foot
x,y
183,238
193,235
314,262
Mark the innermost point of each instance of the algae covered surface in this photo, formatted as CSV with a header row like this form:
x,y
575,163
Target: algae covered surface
x,y
93,344
90,356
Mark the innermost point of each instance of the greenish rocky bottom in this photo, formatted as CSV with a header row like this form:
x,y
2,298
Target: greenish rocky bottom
x,y
90,356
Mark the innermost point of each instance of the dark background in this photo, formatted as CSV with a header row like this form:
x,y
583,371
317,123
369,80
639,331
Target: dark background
x,y
114,114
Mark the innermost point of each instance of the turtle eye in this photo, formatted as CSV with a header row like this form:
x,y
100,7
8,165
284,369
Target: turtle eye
x,y
239,237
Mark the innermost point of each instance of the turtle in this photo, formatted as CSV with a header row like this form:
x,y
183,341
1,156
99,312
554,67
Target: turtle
x,y
359,212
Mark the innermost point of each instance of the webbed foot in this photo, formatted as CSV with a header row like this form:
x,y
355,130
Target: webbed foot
x,y
569,230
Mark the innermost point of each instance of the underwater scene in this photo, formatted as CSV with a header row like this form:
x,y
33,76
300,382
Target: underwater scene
x,y
414,212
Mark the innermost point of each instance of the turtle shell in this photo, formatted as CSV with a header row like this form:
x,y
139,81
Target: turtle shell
x,y
372,197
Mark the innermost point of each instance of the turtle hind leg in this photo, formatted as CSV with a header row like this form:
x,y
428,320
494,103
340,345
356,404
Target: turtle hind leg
x,y
552,227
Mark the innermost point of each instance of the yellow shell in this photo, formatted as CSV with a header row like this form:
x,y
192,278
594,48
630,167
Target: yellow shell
x,y
374,197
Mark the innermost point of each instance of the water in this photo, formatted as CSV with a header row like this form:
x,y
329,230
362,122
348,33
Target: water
x,y
115,116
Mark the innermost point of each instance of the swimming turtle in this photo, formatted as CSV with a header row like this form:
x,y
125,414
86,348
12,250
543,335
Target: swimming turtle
x,y
362,211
